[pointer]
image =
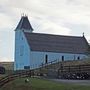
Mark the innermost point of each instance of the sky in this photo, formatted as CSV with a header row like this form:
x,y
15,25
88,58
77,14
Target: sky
x,y
62,17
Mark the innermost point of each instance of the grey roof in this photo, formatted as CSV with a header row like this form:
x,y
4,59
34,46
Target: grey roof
x,y
56,43
24,24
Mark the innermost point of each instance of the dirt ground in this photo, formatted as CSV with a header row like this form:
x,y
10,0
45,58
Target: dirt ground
x,y
77,82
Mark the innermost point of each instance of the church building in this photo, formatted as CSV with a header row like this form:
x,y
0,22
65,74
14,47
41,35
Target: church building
x,y
33,49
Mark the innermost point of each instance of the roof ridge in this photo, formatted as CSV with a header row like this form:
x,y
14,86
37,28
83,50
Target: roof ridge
x,y
56,35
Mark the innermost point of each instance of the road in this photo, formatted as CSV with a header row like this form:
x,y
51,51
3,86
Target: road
x,y
77,82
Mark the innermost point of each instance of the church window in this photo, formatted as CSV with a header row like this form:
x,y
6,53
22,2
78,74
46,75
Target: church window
x,y
78,58
21,50
46,59
62,58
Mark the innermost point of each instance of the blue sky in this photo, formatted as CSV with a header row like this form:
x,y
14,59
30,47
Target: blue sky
x,y
63,17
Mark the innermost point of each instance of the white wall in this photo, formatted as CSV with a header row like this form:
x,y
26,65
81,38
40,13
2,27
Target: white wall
x,y
37,58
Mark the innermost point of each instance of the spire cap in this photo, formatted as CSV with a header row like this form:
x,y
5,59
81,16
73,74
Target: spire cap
x,y
24,23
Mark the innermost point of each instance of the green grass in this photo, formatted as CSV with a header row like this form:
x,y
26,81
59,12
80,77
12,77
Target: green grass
x,y
40,84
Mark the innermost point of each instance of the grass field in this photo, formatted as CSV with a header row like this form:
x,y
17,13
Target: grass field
x,y
40,84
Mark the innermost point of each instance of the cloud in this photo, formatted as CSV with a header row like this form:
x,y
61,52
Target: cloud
x,y
70,11
52,28
5,59
7,44
64,17
5,22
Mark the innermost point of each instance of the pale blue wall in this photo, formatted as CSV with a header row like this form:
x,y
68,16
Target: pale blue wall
x,y
22,51
25,57
39,57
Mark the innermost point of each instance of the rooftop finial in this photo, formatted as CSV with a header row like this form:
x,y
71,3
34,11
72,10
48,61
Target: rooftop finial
x,y
83,34
24,23
23,15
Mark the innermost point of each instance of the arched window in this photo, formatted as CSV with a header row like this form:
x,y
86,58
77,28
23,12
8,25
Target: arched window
x,y
21,50
46,59
62,58
78,58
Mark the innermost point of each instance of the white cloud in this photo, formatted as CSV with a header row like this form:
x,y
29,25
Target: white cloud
x,y
52,28
47,16
5,59
72,11
5,21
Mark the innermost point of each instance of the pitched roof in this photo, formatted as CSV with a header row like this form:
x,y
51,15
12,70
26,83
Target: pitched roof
x,y
24,24
56,43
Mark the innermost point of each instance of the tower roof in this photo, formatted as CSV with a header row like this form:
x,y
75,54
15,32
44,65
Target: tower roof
x,y
24,24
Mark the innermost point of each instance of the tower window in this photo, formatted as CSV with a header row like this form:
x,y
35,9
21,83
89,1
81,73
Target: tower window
x,y
46,59
21,50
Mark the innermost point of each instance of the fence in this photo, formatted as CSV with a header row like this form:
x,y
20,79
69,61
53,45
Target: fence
x,y
67,69
15,75
75,71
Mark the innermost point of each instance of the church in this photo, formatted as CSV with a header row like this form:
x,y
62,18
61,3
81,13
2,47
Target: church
x,y
33,49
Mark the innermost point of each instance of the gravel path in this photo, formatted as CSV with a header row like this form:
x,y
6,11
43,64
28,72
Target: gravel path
x,y
77,82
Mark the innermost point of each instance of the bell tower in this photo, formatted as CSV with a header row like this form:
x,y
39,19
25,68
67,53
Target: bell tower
x,y
21,58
